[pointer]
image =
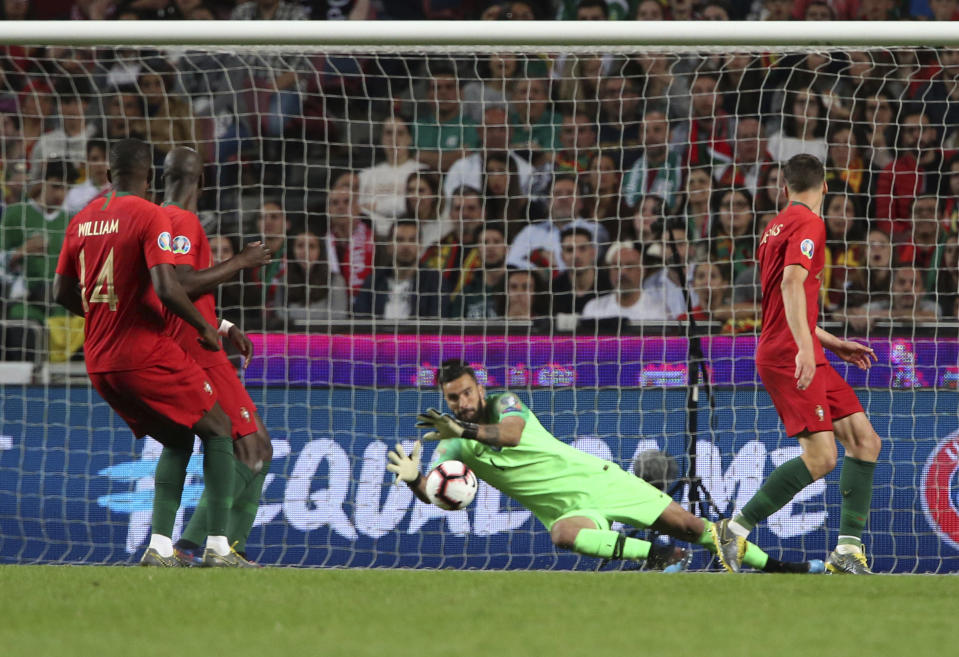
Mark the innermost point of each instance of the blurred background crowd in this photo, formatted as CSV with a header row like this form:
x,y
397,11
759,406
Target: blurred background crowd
x,y
558,189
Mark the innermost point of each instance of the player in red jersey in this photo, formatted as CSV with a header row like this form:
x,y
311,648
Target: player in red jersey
x,y
182,171
815,403
116,269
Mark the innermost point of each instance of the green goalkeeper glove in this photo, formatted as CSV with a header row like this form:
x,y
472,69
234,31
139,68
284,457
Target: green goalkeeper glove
x,y
406,468
445,426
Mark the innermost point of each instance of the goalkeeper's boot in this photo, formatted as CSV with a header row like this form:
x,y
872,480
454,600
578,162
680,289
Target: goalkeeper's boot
x,y
816,566
730,547
152,558
848,563
231,559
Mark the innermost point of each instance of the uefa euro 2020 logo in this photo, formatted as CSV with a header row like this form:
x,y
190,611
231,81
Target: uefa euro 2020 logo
x,y
940,489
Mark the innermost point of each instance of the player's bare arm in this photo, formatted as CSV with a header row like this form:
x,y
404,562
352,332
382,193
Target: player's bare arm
x,y
203,281
794,302
851,352
66,292
173,296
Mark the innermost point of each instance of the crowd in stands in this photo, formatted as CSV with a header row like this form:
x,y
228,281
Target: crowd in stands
x,y
501,186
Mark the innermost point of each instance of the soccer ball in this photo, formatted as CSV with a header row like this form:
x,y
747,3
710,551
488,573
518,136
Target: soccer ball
x,y
451,485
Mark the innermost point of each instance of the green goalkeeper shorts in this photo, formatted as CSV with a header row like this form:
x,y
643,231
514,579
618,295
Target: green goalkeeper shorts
x,y
618,496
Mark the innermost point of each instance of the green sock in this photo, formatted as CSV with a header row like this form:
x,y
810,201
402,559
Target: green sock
x,y
610,545
245,505
218,481
855,484
754,557
781,486
196,529
168,488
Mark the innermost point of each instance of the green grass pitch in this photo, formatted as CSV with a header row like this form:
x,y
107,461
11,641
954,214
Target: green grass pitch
x,y
104,611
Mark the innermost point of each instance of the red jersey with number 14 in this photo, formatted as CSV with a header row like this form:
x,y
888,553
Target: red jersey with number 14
x,y
797,236
110,248
191,247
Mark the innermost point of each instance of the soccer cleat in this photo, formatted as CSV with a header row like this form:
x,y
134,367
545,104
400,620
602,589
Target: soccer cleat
x,y
849,563
730,547
187,558
816,566
152,558
230,560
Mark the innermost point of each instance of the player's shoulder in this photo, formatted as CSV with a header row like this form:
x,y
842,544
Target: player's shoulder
x,y
506,402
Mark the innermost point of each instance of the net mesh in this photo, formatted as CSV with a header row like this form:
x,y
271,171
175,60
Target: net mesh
x,y
541,214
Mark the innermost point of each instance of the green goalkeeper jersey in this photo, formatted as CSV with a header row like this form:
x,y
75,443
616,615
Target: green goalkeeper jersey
x,y
544,474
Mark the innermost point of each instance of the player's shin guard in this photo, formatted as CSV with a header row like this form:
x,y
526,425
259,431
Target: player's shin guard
x,y
245,505
218,479
754,557
168,488
855,484
610,545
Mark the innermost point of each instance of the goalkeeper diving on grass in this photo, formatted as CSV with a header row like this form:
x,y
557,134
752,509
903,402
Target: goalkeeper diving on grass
x,y
574,494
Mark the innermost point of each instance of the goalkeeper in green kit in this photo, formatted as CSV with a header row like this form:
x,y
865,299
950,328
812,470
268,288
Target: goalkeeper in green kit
x,y
574,494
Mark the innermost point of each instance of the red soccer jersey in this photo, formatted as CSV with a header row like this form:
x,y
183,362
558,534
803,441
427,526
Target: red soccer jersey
x,y
797,236
191,247
110,248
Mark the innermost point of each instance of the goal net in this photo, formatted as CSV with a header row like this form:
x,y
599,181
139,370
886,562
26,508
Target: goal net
x,y
554,217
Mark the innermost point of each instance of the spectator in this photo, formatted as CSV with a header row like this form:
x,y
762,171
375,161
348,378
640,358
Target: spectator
x,y
230,294
34,106
819,10
680,10
620,124
710,286
534,126
705,135
747,293
665,285
938,95
873,115
869,284
661,82
310,292
578,76
750,156
907,303
950,212
742,83
497,72
402,290
845,232
509,11
15,182
68,141
945,277
627,299
803,127
31,234
776,10
877,10
733,233
448,255
603,181
919,248
772,190
443,135
913,172
96,184
382,188
578,141
582,281
844,163
659,170
469,169
423,205
539,244
525,297
505,200
944,10
590,10
650,10
650,210
124,115
714,10
349,239
694,204
479,292
169,118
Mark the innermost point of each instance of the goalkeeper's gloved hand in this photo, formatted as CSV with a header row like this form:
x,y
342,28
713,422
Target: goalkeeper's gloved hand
x,y
445,426
406,468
